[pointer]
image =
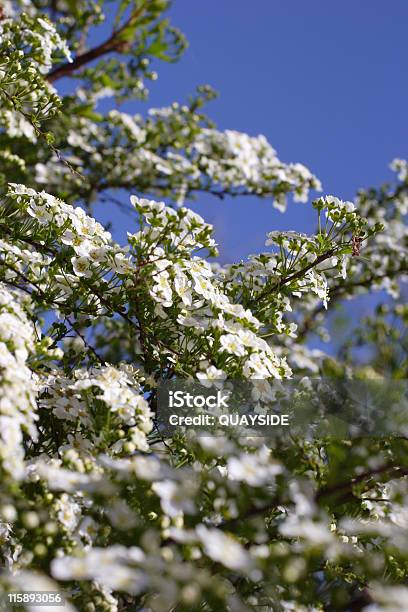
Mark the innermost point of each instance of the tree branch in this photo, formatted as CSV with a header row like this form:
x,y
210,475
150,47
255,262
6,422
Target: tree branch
x,y
85,341
343,290
296,275
343,489
113,43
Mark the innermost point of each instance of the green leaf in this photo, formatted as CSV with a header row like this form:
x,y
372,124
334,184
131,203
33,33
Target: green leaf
x,y
73,7
121,9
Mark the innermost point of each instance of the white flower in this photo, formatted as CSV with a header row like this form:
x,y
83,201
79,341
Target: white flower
x,y
98,254
317,533
198,268
390,598
111,566
81,266
343,268
78,442
183,289
203,286
121,263
211,374
256,469
46,25
68,512
162,291
224,549
147,206
232,344
120,515
400,166
138,437
175,499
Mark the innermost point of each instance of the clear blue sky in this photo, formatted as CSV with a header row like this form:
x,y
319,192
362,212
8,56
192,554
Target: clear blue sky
x,y
325,81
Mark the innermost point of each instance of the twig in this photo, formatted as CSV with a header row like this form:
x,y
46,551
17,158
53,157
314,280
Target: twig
x,y
296,275
340,291
113,43
84,340
345,488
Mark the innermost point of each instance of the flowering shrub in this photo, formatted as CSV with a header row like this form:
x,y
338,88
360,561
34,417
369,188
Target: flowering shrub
x,y
93,499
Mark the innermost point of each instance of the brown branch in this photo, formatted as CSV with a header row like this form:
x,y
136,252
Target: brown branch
x,y
112,44
301,272
295,275
345,489
85,341
341,291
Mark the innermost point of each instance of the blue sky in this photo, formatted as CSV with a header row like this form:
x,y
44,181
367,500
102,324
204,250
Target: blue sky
x,y
324,81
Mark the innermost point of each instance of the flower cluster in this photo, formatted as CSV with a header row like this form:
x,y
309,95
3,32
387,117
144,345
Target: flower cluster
x,y
28,47
17,401
87,251
234,160
118,393
187,292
